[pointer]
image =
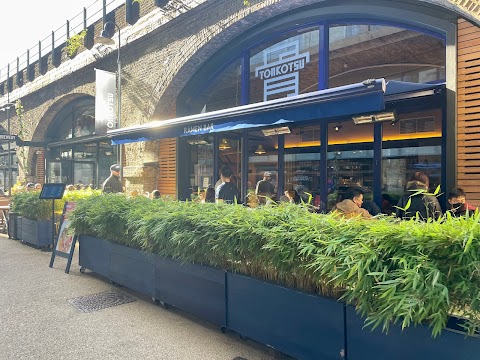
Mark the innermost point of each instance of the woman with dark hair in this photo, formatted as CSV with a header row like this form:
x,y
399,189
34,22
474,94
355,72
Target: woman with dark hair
x,y
426,206
209,195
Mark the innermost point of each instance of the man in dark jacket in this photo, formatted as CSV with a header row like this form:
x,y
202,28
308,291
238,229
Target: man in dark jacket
x,y
426,206
113,183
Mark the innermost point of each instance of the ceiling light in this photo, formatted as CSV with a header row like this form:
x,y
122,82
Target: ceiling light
x,y
260,150
337,127
276,131
224,145
368,119
198,142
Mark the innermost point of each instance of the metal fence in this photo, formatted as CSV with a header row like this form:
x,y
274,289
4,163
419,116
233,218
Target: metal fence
x,y
81,21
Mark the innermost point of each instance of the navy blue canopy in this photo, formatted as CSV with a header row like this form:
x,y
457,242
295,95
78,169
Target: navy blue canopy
x,y
365,97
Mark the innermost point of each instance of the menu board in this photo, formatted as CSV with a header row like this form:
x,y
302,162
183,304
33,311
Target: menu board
x,y
52,191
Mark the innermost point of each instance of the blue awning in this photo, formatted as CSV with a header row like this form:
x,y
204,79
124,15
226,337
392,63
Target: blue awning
x,y
365,97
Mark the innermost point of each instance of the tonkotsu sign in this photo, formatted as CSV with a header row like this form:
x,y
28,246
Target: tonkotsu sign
x,y
105,118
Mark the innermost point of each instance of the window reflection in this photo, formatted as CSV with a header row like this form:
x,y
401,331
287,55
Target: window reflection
x,y
349,160
302,162
412,144
262,157
229,151
200,165
359,52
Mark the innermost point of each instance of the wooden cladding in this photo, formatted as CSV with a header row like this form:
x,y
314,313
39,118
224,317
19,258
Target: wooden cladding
x,y
468,106
167,179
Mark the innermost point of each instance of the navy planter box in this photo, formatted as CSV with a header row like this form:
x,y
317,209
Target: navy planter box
x,y
19,227
94,254
38,233
299,324
199,290
132,268
413,343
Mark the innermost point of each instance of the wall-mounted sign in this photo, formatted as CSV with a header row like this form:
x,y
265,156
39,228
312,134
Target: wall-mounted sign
x,y
280,69
105,118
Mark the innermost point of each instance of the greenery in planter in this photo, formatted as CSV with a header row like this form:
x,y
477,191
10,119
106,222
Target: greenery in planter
x,y
405,272
28,205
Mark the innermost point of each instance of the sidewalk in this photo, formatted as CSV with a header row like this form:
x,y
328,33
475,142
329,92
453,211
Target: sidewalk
x,y
37,321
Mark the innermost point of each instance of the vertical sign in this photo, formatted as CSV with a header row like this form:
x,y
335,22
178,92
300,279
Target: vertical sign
x,y
104,102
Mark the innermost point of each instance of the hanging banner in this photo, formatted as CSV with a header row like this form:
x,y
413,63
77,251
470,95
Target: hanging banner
x,y
105,118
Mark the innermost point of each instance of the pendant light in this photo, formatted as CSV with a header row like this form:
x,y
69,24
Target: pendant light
x,y
224,145
260,150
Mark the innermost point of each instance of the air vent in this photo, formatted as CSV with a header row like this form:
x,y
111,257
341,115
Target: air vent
x,y
420,125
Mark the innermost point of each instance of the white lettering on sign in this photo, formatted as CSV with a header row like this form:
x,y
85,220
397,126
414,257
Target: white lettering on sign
x,y
280,69
197,128
110,111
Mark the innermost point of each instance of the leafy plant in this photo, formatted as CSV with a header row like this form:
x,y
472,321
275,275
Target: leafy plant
x,y
75,42
394,272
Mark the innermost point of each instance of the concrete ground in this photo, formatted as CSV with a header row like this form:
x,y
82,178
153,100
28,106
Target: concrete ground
x,y
37,321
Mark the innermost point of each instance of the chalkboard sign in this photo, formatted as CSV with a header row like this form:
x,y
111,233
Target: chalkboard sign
x,y
52,191
65,244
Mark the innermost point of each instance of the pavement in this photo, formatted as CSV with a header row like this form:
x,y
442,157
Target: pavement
x,y
38,322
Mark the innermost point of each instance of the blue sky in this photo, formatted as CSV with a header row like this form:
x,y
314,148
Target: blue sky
x,y
22,28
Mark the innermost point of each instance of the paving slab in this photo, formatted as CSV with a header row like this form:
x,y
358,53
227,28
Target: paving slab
x,y
37,321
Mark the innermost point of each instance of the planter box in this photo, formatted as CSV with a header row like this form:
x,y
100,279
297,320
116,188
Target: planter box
x,y
132,268
38,233
413,343
12,225
299,324
199,290
94,254
19,227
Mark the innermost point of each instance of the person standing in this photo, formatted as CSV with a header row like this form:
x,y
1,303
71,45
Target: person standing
x,y
265,188
113,183
226,192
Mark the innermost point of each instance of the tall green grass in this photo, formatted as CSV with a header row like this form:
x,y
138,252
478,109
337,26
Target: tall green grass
x,y
404,272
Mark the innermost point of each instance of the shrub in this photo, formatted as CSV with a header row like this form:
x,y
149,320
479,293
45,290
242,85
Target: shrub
x,y
405,272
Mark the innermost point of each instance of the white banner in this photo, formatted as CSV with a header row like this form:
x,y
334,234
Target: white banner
x,y
105,94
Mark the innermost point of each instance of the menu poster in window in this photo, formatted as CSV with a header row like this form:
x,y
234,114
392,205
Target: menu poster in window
x,y
65,244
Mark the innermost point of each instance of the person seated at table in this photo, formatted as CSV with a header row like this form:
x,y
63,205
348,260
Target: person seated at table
x,y
38,187
351,206
457,200
423,205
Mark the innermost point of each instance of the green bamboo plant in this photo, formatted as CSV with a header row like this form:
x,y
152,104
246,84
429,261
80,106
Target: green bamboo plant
x,y
394,272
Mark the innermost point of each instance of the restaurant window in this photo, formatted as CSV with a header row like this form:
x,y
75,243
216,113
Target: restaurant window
x,y
200,164
222,93
349,160
229,152
285,66
302,162
413,143
262,157
359,52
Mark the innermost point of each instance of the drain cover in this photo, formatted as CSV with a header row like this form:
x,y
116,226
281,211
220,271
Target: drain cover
x,y
100,301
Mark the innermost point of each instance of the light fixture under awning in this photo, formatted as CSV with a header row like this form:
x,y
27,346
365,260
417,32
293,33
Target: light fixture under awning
x,y
359,98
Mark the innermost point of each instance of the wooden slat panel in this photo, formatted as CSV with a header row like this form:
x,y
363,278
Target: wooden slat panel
x,y
462,143
474,48
468,37
467,177
468,87
466,57
167,179
463,104
469,96
472,76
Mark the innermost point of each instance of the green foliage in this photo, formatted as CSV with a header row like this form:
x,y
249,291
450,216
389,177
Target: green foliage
x,y
75,42
28,204
404,272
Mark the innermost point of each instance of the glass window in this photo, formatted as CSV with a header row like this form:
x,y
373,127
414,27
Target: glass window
x,y
349,160
229,151
224,92
107,157
200,165
262,157
412,144
302,162
285,66
359,52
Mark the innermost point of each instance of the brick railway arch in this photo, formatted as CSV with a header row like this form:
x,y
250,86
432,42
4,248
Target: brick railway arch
x,y
226,35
